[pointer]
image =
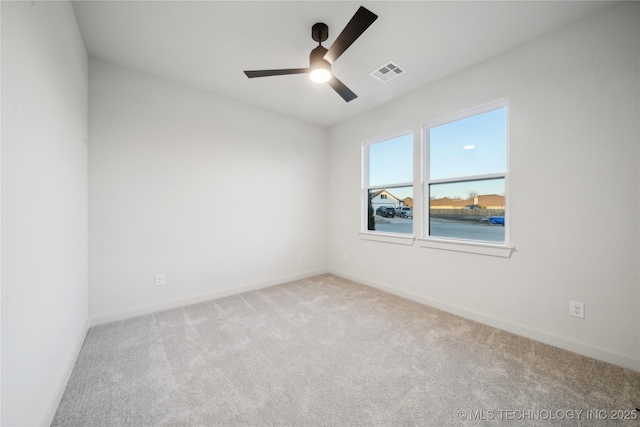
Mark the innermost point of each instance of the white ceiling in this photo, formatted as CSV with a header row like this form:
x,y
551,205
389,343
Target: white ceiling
x,y
208,44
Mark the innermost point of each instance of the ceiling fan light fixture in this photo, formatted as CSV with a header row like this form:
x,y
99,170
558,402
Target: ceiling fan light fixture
x,y
320,67
320,75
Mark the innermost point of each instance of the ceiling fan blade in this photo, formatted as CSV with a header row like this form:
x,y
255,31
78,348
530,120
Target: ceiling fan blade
x,y
346,93
283,72
362,19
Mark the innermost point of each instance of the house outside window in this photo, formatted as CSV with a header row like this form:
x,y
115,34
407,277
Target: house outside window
x,y
387,182
466,175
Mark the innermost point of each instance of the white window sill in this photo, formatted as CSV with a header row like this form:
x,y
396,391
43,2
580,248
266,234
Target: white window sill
x,y
490,249
396,239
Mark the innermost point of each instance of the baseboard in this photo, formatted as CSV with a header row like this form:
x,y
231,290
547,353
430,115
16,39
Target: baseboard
x,y
50,413
534,334
181,302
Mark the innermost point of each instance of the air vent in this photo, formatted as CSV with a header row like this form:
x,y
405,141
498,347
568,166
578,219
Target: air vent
x,y
387,72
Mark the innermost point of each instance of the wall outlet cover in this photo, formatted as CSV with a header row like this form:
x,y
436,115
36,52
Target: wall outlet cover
x,y
576,309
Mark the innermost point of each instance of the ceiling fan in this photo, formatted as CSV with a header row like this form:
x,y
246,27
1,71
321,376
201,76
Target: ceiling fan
x,y
321,59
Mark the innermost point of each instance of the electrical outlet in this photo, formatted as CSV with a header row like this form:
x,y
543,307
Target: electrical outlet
x,y
300,257
345,257
159,279
576,309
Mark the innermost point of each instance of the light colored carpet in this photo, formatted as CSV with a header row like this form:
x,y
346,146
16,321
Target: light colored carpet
x,y
327,351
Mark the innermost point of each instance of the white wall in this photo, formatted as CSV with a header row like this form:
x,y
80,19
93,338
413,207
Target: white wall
x,y
574,144
217,196
44,206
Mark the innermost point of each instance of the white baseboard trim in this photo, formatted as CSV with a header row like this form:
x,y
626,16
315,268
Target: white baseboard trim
x,y
50,413
181,302
525,331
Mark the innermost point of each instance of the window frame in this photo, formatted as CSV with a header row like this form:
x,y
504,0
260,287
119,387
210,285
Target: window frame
x,y
502,249
381,236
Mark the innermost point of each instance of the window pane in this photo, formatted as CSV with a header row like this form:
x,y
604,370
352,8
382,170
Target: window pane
x,y
472,146
391,210
470,210
391,162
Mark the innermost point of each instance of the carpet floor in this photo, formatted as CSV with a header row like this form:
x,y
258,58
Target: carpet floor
x,y
328,351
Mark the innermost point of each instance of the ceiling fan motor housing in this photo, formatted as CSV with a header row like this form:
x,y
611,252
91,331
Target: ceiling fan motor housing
x,y
316,59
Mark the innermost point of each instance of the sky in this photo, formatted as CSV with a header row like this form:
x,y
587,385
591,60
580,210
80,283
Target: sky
x,y
472,146
391,162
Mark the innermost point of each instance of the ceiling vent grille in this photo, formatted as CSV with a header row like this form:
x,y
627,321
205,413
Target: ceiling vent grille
x,y
387,72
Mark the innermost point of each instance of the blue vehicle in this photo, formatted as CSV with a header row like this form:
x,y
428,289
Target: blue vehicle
x,y
496,220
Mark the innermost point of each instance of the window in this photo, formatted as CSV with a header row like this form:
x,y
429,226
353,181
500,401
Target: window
x,y
466,176
388,184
